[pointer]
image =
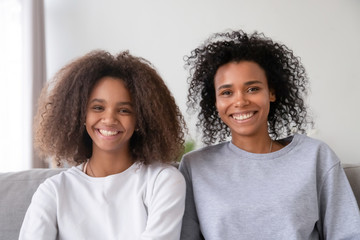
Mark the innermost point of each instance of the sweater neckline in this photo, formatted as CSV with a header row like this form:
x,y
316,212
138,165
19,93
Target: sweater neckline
x,y
131,169
293,141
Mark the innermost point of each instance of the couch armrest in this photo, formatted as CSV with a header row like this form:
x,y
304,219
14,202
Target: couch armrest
x,y
353,174
16,190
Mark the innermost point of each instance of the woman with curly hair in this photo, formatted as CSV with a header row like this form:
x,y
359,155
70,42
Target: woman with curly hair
x,y
269,181
115,119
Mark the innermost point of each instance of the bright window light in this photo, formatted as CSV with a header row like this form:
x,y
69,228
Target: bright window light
x,y
12,91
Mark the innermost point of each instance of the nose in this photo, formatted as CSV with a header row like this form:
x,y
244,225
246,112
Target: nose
x,y
241,99
109,117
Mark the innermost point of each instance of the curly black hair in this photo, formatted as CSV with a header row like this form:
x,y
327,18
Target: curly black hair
x,y
59,124
284,71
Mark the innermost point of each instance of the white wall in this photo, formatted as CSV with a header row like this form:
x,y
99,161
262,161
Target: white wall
x,y
324,33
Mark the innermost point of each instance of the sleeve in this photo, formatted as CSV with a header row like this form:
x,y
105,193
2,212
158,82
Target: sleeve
x,y
190,226
40,219
166,206
339,211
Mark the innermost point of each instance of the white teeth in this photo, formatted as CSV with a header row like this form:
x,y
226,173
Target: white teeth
x,y
107,133
240,117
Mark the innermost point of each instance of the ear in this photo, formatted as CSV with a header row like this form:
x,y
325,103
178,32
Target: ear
x,y
272,96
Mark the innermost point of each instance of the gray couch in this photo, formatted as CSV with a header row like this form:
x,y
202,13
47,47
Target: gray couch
x,y
17,188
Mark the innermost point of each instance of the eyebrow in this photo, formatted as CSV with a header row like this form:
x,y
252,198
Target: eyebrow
x,y
246,84
103,101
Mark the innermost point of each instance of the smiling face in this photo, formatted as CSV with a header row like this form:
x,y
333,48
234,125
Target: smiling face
x,y
110,119
243,98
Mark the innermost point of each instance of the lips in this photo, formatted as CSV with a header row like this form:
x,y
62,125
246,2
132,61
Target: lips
x,y
108,133
242,116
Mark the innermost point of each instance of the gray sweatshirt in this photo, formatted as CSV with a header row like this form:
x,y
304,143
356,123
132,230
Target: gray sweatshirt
x,y
298,192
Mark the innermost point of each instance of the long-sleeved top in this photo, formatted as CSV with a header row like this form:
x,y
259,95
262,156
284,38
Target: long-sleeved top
x,y
143,202
299,192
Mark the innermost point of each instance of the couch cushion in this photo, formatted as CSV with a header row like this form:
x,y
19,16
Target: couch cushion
x,y
16,190
353,174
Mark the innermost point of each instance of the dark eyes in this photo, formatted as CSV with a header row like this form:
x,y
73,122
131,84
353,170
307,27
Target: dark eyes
x,y
253,89
124,110
226,92
98,108
249,90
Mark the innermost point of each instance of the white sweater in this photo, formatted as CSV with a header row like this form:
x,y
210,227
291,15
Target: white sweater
x,y
143,202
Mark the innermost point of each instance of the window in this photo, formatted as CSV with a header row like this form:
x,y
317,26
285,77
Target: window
x,y
14,136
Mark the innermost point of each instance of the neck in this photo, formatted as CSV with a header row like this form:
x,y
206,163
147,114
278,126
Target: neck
x,y
253,144
102,164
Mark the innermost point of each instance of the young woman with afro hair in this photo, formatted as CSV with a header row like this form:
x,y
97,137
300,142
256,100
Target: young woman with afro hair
x,y
268,181
114,119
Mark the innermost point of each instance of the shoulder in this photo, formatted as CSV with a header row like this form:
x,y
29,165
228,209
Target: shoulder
x,y
157,170
304,139
311,149
47,192
203,158
164,179
318,146
206,152
65,177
